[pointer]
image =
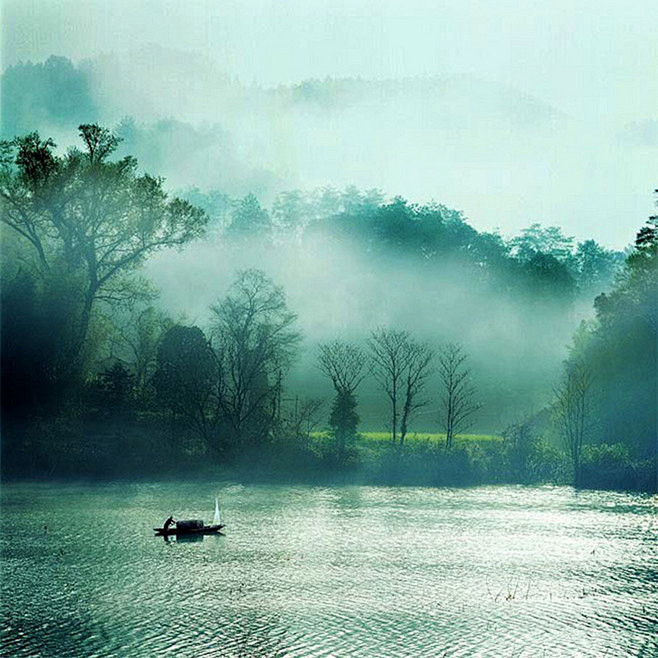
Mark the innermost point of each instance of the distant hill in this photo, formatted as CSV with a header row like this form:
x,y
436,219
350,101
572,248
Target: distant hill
x,y
247,138
504,157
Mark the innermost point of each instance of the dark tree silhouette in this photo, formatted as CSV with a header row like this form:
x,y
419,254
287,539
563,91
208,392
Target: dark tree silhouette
x,y
116,387
344,364
186,378
255,343
417,369
139,335
88,218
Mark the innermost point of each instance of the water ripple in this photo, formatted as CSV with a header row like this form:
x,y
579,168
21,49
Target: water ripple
x,y
316,571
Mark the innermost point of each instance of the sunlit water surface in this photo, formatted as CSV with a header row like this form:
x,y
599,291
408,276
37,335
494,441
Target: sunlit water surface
x,y
340,571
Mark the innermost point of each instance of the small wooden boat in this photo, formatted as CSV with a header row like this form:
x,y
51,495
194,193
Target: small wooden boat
x,y
183,529
206,530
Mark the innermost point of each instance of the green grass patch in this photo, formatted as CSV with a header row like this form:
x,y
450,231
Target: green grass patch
x,y
375,439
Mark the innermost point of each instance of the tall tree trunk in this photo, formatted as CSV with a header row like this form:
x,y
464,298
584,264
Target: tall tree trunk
x,y
403,422
394,429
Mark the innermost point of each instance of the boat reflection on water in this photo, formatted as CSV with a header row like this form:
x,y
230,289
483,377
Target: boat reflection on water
x,y
183,539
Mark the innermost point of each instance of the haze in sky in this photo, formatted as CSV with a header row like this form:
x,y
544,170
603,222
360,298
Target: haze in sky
x,y
593,64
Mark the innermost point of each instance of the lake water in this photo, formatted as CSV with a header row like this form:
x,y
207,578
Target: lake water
x,y
329,571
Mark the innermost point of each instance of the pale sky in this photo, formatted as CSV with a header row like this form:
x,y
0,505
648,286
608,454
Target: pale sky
x,y
593,60
598,58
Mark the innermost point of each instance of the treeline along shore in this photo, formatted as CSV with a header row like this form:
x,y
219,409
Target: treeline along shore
x,y
100,379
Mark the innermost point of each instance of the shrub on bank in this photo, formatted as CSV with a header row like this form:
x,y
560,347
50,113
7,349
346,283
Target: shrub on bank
x,y
611,466
147,446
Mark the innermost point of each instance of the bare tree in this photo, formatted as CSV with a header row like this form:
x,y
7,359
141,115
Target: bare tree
x,y
138,334
458,402
401,365
417,368
344,364
301,418
255,342
572,408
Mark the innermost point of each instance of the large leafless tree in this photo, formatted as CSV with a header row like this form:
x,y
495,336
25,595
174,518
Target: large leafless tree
x,y
458,403
255,341
417,369
138,334
401,365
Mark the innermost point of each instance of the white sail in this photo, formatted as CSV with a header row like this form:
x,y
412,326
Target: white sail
x,y
215,519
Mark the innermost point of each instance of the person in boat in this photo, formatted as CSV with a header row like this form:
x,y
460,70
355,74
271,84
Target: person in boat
x,y
169,522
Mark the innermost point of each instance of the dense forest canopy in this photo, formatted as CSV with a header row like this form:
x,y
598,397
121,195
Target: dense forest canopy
x,y
79,225
235,316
